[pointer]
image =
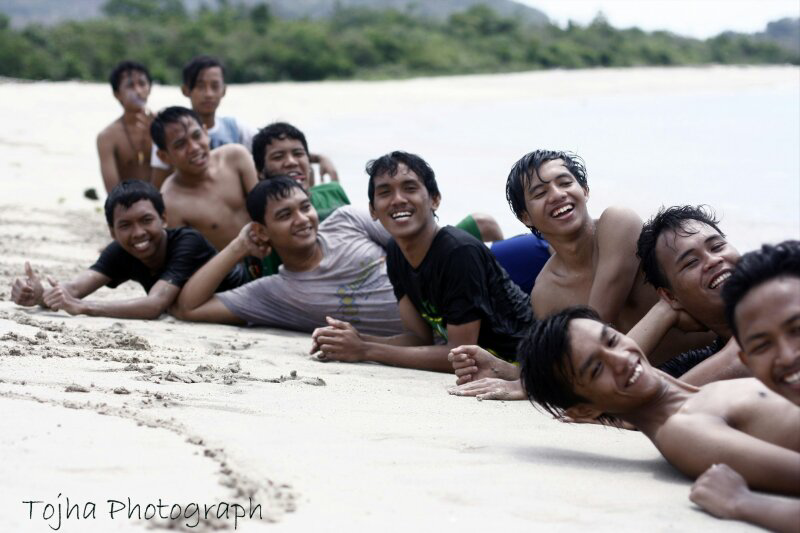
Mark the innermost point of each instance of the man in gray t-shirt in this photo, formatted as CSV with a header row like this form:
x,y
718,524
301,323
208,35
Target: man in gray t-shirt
x,y
335,269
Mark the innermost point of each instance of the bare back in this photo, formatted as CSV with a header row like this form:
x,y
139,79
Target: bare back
x,y
214,204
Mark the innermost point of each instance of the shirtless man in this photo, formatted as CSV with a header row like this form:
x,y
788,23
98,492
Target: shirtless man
x,y
124,145
208,188
594,264
762,303
159,259
575,365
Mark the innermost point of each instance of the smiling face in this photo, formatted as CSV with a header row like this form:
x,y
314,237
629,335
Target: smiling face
x,y
208,90
291,223
768,322
696,262
287,157
139,230
610,370
134,89
402,203
555,203
187,146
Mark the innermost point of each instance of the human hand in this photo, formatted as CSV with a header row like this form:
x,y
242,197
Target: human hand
x,y
490,389
253,243
27,291
58,297
338,341
719,490
326,168
471,363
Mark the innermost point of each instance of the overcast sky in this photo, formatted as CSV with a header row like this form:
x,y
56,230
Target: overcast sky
x,y
693,18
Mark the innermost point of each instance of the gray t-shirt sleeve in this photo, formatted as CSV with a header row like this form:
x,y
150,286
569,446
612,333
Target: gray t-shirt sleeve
x,y
257,302
363,221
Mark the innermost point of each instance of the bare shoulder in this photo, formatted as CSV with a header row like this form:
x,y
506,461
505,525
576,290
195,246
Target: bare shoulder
x,y
616,218
110,134
230,153
545,293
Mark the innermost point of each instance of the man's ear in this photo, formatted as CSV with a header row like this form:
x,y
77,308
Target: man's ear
x,y
666,295
583,411
164,219
743,358
185,90
372,212
260,230
164,156
525,218
111,231
435,201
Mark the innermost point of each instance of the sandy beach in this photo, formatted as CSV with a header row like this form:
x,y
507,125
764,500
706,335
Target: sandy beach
x,y
101,409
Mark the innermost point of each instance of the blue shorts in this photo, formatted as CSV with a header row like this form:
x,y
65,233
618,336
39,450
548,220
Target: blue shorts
x,y
522,257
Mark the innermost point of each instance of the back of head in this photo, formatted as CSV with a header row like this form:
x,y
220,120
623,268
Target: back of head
x,y
198,64
545,363
267,134
169,115
676,220
758,267
128,192
275,188
388,164
524,170
126,66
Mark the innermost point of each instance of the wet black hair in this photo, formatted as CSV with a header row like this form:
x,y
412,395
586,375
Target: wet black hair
x,y
128,192
387,164
274,188
758,267
544,356
673,219
197,65
524,170
127,66
265,136
169,115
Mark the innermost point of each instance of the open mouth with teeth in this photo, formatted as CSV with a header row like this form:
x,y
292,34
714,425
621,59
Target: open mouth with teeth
x,y
792,379
198,159
719,279
400,215
637,372
141,246
297,176
562,211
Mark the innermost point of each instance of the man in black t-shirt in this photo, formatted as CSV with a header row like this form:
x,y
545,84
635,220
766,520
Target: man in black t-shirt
x,y
143,250
450,289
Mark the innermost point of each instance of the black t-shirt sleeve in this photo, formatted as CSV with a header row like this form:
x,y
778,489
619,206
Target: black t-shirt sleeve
x,y
681,364
115,263
463,289
394,267
187,252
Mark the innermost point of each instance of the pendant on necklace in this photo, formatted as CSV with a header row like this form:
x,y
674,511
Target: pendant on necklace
x,y
141,158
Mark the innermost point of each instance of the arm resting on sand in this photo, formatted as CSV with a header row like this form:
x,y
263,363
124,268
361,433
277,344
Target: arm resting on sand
x,y
765,466
161,295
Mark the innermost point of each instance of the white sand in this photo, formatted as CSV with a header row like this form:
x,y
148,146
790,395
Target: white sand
x,y
206,416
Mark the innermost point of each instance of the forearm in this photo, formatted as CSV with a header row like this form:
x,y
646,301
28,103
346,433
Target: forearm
x,y
725,364
403,339
432,358
139,308
203,283
775,513
652,328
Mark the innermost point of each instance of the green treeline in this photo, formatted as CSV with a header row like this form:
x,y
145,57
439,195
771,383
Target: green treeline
x,y
353,43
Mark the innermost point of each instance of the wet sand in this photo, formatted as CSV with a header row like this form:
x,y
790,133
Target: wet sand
x,y
101,409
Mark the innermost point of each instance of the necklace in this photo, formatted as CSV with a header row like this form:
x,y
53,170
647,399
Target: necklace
x,y
140,152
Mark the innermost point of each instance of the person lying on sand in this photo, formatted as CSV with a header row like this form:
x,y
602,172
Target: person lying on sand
x,y
762,303
208,188
281,149
449,288
159,259
333,269
594,264
204,86
124,145
574,364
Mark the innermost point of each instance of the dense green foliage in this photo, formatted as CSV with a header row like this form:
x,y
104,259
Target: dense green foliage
x,y
352,43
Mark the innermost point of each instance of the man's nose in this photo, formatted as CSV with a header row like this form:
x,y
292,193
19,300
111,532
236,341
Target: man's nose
x,y
788,352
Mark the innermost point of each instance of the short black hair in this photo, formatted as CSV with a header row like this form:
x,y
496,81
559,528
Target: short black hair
x,y
544,356
673,219
387,164
128,192
523,172
197,65
265,136
127,66
275,188
758,267
169,115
